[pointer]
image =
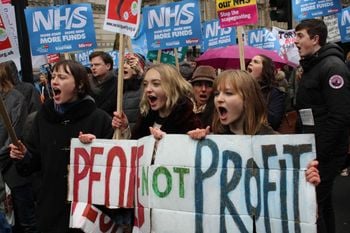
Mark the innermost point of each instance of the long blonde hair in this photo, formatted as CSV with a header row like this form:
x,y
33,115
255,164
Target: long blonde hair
x,y
254,106
6,83
174,85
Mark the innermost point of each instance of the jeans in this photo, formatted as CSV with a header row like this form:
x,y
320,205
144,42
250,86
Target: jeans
x,y
4,226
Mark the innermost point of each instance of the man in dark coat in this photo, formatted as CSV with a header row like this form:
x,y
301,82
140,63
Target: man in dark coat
x,y
323,101
105,80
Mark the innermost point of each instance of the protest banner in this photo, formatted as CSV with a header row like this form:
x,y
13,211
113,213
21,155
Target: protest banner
x,y
344,24
60,29
215,36
222,183
91,220
53,58
331,22
305,9
173,25
236,13
122,16
264,39
168,56
8,34
288,49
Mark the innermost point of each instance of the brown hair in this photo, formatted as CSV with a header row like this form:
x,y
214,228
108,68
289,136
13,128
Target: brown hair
x,y
174,85
79,74
254,106
6,81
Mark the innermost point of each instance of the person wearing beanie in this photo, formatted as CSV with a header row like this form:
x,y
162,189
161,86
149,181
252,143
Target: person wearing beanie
x,y
202,82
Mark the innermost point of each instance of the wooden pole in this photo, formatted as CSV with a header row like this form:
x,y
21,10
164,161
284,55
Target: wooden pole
x,y
128,44
176,59
117,132
159,55
241,47
7,123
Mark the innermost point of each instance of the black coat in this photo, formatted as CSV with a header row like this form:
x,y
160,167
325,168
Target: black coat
x,y
131,99
16,108
106,93
276,104
181,120
49,148
330,102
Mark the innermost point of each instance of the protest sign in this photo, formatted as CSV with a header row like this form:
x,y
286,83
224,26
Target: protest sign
x,y
264,39
344,24
91,220
168,55
122,16
218,184
173,25
83,57
331,22
215,36
8,34
236,13
304,9
60,29
288,49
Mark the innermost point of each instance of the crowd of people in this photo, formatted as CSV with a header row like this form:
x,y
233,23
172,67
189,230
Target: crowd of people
x,y
159,99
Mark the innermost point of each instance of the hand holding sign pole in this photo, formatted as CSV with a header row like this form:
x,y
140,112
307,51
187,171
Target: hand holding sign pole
x,y
123,17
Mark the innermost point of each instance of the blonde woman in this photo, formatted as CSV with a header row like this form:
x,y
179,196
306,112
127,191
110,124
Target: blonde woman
x,y
165,105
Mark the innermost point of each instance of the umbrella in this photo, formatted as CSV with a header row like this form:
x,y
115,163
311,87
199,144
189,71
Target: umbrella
x,y
228,57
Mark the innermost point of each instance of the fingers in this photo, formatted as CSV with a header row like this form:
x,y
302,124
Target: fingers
x,y
86,138
156,132
207,130
17,152
120,121
198,134
313,177
312,173
313,163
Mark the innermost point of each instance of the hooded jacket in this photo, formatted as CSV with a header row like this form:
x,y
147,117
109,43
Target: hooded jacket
x,y
106,95
324,87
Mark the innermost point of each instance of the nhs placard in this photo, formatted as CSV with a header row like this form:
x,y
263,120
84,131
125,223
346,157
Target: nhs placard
x,y
173,25
60,29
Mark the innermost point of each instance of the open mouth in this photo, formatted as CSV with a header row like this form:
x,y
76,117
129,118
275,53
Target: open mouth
x,y
203,96
152,99
222,111
249,69
56,91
